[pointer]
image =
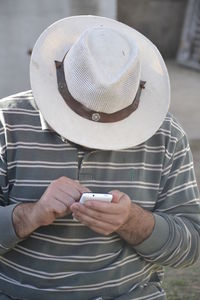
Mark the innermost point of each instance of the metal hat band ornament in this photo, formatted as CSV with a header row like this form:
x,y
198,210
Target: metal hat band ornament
x,y
85,112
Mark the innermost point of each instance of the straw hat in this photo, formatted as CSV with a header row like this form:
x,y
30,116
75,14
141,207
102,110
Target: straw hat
x,y
99,83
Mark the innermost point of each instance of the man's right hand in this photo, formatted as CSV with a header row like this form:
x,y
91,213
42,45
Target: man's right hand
x,y
54,203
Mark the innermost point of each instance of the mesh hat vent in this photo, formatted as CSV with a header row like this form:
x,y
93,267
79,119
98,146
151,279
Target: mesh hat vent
x,y
102,70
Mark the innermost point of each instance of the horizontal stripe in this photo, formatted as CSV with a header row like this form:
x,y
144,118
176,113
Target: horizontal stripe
x,y
67,257
73,241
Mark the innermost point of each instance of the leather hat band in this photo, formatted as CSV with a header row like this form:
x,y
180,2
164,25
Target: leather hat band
x,y
92,115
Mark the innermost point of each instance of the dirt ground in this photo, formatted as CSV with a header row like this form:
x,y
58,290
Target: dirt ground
x,y
183,284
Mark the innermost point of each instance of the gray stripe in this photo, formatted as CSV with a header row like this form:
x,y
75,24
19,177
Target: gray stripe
x,y
82,263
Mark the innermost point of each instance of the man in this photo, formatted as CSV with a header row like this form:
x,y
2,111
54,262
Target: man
x,y
97,122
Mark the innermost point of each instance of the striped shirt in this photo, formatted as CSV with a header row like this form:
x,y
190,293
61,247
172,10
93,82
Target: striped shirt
x,y
67,260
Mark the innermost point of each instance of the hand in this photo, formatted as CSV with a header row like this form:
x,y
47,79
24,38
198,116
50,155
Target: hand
x,y
54,203
130,221
57,199
104,217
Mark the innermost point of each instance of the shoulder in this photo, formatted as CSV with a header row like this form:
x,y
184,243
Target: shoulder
x,y
18,110
168,138
171,137
169,133
172,128
23,100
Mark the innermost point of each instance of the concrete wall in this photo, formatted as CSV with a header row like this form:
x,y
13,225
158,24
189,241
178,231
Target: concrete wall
x,y
160,20
22,21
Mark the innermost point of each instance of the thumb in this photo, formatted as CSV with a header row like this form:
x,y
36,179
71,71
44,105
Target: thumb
x,y
116,196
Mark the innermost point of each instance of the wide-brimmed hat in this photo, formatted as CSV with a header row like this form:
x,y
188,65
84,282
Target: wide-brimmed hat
x,y
99,83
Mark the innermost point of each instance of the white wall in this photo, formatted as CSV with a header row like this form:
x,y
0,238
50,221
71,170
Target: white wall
x,y
22,21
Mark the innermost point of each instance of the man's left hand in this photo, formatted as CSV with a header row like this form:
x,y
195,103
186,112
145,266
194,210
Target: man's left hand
x,y
101,216
130,221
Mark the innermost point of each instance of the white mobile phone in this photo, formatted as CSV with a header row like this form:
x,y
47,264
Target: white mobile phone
x,y
95,196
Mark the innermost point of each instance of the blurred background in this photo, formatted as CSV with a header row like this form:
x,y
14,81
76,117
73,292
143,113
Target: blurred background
x,y
172,25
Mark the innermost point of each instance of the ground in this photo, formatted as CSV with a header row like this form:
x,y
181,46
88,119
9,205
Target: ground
x,y
183,284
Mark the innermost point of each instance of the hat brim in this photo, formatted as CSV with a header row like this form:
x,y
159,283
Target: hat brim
x,y
52,45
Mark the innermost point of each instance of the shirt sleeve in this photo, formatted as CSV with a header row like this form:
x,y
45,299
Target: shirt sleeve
x,y
8,237
175,240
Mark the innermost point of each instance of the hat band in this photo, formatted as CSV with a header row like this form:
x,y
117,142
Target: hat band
x,y
85,112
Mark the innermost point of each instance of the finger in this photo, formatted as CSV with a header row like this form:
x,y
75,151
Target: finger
x,y
117,195
81,211
98,224
70,191
96,229
103,206
59,208
65,181
67,201
85,189
81,188
69,187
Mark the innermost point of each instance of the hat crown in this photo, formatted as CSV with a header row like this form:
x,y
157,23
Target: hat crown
x,y
102,69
